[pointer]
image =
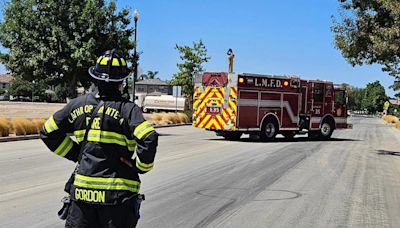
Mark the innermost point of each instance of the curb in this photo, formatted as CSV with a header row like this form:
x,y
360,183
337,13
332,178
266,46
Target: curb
x,y
29,137
18,138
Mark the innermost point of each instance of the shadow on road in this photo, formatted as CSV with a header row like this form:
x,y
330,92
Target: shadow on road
x,y
161,134
385,152
279,140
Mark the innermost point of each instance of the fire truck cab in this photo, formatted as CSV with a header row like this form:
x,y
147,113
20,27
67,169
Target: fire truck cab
x,y
266,105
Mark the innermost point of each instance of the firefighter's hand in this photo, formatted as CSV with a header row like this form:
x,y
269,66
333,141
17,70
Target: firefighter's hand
x,y
127,162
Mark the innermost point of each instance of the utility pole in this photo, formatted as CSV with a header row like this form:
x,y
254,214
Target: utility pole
x,y
135,57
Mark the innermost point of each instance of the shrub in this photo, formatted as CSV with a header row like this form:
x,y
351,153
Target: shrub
x,y
156,117
170,118
183,118
39,124
391,119
24,127
4,127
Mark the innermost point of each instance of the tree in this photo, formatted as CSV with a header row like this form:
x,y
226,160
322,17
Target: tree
x,y
57,41
152,74
374,97
369,33
193,58
21,87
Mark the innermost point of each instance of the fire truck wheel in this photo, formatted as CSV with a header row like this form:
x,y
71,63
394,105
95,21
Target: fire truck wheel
x,y
232,136
326,130
269,129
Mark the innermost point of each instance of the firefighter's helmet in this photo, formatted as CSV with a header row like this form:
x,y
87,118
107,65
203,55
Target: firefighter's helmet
x,y
110,67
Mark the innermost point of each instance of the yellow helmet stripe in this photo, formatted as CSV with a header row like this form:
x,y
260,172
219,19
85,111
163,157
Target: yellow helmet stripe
x,y
123,61
115,62
103,61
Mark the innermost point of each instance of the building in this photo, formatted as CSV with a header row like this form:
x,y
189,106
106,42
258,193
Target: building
x,y
153,86
5,80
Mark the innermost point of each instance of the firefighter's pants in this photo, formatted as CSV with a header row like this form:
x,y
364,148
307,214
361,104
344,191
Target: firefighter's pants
x,y
84,215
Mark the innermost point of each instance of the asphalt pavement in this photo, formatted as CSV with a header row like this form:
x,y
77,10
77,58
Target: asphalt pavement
x,y
201,180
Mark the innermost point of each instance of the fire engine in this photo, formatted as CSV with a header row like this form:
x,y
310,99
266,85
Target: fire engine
x,y
233,104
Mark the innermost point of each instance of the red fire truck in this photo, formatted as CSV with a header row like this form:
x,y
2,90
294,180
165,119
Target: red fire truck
x,y
264,105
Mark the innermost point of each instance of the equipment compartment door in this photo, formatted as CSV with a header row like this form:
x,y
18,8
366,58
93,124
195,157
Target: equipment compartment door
x,y
290,111
248,109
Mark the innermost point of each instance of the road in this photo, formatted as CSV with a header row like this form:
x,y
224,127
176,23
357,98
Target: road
x,y
200,180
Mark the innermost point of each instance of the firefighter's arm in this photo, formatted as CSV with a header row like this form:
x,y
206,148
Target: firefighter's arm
x,y
54,135
146,141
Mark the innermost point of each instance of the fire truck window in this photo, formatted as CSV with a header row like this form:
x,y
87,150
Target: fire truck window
x,y
318,93
339,97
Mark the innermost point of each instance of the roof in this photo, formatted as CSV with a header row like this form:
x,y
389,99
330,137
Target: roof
x,y
152,82
6,78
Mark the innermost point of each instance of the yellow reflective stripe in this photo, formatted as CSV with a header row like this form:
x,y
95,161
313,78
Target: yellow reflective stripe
x,y
50,125
143,166
111,137
123,61
104,61
144,132
115,62
79,135
99,59
143,129
64,147
106,183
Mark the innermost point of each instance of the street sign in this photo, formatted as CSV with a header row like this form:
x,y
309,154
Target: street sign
x,y
177,91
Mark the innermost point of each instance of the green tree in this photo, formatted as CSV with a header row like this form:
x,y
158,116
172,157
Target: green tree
x,y
58,41
374,97
193,58
355,96
21,87
369,32
2,91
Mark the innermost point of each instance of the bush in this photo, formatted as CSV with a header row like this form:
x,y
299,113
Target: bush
x,y
169,118
24,127
391,119
39,124
183,118
4,127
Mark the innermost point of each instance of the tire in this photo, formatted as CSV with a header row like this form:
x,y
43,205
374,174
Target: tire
x,y
326,129
269,129
324,133
289,134
232,136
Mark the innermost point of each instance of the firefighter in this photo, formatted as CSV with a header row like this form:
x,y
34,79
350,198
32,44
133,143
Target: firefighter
x,y
109,131
231,58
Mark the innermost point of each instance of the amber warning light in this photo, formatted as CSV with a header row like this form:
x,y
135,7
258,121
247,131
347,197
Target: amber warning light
x,y
285,83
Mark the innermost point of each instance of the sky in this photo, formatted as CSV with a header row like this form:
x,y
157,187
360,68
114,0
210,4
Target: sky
x,y
286,37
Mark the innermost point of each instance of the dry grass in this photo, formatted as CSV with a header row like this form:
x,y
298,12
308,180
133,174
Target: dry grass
x,y
397,125
24,127
20,126
390,119
169,118
183,118
4,127
39,123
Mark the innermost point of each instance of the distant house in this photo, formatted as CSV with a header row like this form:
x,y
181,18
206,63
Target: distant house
x,y
5,80
153,86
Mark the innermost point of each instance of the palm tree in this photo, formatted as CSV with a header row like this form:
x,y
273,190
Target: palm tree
x,y
152,74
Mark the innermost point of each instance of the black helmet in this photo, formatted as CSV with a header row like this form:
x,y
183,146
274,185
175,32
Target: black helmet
x,y
110,67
